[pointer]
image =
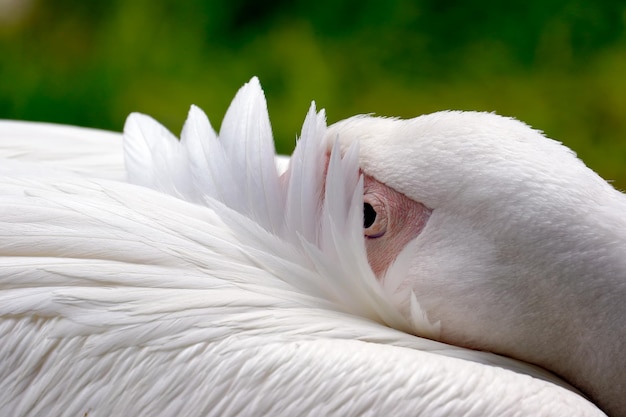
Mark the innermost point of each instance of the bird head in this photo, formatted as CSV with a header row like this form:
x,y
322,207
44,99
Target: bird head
x,y
496,216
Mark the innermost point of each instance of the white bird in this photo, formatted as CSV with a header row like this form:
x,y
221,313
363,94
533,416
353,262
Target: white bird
x,y
239,293
518,247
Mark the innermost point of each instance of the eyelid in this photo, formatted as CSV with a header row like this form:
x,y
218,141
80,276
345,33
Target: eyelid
x,y
379,227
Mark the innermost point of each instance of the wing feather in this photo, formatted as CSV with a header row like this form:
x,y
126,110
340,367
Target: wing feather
x,y
246,136
304,178
116,299
83,151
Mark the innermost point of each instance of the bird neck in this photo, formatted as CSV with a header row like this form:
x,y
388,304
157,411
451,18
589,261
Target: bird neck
x,y
578,307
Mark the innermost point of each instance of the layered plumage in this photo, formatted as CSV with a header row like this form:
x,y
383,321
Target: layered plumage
x,y
210,286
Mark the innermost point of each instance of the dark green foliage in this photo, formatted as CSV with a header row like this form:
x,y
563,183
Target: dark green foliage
x,y
557,65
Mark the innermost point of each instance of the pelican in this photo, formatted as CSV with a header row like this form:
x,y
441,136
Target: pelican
x,y
142,275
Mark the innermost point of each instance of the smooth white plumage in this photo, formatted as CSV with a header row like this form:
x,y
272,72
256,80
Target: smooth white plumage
x,y
45,146
253,297
523,253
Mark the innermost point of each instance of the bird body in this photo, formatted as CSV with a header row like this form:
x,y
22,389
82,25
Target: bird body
x,y
205,284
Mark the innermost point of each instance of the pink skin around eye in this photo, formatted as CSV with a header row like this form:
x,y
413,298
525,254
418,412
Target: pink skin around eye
x,y
399,218
402,219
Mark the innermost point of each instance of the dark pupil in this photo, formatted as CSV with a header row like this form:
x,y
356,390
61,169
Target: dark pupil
x,y
369,215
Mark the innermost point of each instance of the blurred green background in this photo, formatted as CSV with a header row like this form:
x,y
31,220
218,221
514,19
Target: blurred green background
x,y
557,65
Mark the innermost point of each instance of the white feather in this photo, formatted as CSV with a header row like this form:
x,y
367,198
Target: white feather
x,y
120,300
246,136
54,147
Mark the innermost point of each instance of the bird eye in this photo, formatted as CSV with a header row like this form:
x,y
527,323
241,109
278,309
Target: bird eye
x,y
369,215
374,218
